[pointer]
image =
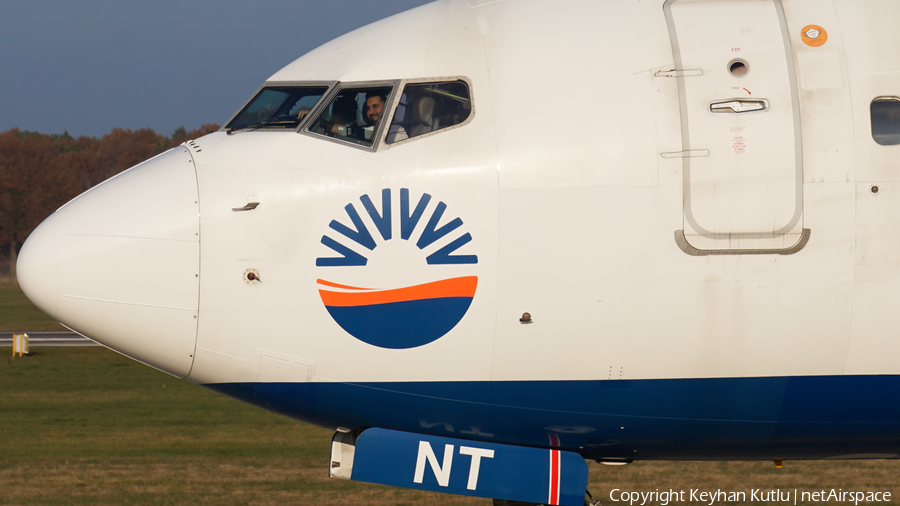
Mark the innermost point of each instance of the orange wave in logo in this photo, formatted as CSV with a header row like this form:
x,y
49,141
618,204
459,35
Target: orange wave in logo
x,y
453,287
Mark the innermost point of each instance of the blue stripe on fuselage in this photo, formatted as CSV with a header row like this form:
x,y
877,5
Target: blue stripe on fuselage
x,y
808,417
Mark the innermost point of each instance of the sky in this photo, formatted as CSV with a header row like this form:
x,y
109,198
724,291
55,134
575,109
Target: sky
x,y
89,66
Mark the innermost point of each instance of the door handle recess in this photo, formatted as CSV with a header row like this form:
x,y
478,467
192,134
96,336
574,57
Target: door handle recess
x,y
738,106
249,206
678,73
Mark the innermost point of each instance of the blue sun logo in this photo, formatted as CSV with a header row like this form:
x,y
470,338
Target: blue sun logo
x,y
406,316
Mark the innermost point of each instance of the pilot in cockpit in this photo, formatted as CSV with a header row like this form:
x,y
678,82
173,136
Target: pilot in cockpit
x,y
373,107
342,118
373,110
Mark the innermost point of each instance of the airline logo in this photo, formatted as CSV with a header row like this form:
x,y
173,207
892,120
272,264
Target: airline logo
x,y
391,316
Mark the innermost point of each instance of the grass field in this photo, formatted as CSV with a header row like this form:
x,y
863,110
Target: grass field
x,y
88,426
18,313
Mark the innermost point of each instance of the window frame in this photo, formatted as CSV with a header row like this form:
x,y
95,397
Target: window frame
x,y
329,88
428,80
377,136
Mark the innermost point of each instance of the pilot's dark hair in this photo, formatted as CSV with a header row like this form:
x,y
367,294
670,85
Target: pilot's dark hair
x,y
380,94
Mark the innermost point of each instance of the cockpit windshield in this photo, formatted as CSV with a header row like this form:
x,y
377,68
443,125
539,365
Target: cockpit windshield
x,y
278,107
354,114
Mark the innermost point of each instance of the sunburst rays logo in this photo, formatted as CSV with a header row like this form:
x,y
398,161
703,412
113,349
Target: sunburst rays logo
x,y
397,317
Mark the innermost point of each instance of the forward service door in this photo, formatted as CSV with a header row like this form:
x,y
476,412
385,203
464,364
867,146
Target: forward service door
x,y
740,125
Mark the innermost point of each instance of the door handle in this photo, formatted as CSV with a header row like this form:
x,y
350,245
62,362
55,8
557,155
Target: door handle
x,y
738,106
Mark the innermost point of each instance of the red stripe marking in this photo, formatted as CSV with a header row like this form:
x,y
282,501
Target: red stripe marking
x,y
335,285
454,287
554,477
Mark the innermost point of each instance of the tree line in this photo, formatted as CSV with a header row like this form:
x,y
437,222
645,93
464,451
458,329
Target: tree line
x,y
41,172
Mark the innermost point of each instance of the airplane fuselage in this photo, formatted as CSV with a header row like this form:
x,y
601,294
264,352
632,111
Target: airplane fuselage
x,y
690,199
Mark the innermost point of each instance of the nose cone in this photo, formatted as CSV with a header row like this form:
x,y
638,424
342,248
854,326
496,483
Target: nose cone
x,y
120,263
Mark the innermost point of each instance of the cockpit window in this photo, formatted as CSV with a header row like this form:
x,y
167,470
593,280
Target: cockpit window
x,y
353,115
886,120
278,108
429,107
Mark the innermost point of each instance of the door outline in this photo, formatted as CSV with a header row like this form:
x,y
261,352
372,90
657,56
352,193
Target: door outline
x,y
740,241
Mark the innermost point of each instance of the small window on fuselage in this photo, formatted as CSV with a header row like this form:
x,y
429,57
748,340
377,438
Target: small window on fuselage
x,y
886,120
277,107
354,114
429,107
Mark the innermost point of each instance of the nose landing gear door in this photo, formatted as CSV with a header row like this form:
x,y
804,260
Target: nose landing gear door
x,y
740,113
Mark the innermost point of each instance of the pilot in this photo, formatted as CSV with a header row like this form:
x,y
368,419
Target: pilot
x,y
373,109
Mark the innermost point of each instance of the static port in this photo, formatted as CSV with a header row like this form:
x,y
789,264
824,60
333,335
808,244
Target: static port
x,y
251,277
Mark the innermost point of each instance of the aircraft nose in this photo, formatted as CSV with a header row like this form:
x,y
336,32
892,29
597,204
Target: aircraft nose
x,y
120,263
